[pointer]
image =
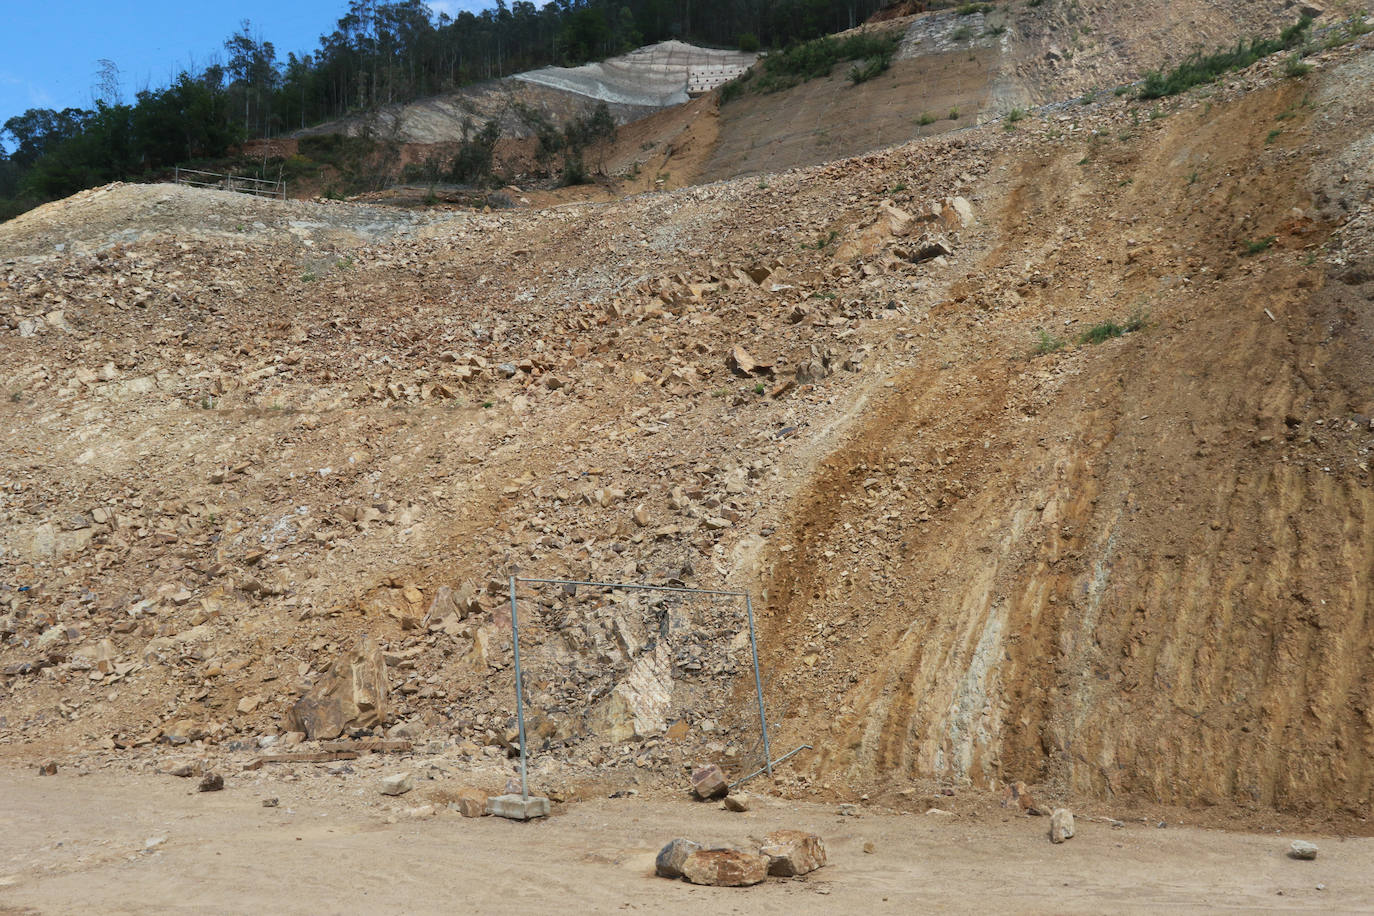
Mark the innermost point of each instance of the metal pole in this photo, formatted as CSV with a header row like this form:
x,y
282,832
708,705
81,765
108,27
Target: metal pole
x,y
758,684
632,585
519,691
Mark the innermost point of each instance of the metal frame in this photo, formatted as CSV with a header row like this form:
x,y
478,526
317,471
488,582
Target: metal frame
x,y
753,650
258,187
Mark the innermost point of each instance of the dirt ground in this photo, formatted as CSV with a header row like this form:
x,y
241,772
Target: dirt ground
x,y
71,843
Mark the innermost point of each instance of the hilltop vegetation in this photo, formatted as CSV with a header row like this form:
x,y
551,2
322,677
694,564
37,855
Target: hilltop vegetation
x,y
378,53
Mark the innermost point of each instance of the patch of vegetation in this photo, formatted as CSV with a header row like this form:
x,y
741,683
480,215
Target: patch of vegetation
x,y
1201,68
1048,343
994,30
1273,135
968,9
954,114
1252,247
814,59
822,241
1100,333
868,69
963,33
925,119
1294,67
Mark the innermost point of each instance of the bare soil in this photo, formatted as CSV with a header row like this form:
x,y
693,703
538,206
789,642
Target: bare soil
x,y
332,845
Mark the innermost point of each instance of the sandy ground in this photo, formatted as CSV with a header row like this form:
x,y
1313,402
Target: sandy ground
x,y
78,844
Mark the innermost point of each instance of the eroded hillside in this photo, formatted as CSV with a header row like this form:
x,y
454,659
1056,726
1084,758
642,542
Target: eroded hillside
x,y
239,439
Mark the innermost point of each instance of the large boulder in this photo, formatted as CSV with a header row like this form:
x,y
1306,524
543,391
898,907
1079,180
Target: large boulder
x,y
352,694
670,859
725,868
709,782
792,852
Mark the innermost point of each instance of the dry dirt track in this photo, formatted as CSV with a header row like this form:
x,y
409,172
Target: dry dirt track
x,y
74,844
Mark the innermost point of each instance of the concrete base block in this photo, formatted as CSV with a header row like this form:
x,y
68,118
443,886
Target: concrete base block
x,y
517,808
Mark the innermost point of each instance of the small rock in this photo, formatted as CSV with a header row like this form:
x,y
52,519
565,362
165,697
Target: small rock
x,y
725,868
1061,825
423,812
153,842
397,784
1018,795
668,863
270,802
793,852
471,802
849,810
869,847
738,802
210,782
184,768
1301,849
47,768
709,782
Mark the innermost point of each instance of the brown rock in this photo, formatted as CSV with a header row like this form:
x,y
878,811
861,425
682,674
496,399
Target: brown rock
x,y
47,768
668,863
211,782
471,802
793,852
739,802
709,782
1018,795
353,693
725,868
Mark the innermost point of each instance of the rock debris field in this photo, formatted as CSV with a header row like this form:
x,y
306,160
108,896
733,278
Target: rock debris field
x,y
1042,447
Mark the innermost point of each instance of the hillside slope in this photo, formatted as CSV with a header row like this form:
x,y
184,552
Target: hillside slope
x,y
249,439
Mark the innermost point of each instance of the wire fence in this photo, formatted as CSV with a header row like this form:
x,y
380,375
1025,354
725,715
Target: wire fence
x,y
258,187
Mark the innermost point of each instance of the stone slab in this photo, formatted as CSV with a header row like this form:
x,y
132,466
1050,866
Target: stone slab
x,y
517,808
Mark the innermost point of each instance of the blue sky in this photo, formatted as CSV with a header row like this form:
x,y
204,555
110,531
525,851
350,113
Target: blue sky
x,y
49,48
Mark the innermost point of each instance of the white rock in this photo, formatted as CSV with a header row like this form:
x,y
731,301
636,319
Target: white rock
x,y
1301,849
397,784
1061,825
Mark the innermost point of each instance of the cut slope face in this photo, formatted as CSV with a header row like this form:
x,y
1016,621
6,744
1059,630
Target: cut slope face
x,y
1141,568
655,76
980,65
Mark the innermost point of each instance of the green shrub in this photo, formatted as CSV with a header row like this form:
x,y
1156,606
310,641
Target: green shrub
x,y
1047,343
1201,68
1107,330
874,66
1294,67
814,59
1252,247
968,9
748,42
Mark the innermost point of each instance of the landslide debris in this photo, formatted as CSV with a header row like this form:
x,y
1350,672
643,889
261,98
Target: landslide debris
x,y
1138,568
